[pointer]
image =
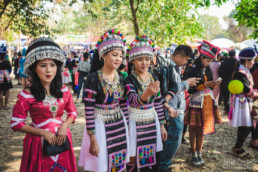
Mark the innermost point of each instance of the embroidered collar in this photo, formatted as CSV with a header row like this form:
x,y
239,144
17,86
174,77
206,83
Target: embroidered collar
x,y
242,67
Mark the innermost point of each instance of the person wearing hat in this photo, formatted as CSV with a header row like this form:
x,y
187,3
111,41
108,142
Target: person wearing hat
x,y
146,113
5,80
21,71
45,98
254,71
241,104
202,112
226,70
105,140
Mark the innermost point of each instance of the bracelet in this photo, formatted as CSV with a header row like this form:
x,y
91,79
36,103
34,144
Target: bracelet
x,y
91,132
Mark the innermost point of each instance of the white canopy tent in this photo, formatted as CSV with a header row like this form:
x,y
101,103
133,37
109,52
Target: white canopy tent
x,y
223,43
250,43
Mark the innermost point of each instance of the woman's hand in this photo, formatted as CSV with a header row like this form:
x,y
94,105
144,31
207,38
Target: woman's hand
x,y
172,112
94,147
153,88
49,137
164,134
61,134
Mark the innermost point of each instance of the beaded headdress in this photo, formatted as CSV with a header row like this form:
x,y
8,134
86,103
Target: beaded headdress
x,y
42,48
208,50
110,40
247,53
141,46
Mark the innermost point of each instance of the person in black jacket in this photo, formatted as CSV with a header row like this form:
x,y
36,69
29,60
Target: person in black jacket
x,y
5,80
225,72
166,74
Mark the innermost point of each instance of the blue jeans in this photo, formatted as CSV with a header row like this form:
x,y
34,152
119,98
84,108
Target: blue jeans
x,y
175,131
80,83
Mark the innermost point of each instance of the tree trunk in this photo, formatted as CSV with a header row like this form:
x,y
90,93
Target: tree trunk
x,y
135,22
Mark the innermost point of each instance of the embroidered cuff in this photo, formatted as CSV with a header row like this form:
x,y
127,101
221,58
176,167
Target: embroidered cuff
x,y
200,87
162,122
72,115
163,101
140,100
91,132
171,93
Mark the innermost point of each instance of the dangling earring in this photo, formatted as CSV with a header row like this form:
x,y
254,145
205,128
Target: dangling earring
x,y
133,68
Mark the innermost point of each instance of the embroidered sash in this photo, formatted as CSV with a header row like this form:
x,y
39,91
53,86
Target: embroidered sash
x,y
116,143
146,143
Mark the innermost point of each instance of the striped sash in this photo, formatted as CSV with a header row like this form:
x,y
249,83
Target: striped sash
x,y
116,144
146,143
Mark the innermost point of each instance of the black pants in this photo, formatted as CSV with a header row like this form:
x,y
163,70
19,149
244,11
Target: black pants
x,y
255,133
242,133
185,129
224,93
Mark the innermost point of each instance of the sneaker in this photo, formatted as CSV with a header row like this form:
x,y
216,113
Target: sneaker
x,y
195,161
202,163
239,152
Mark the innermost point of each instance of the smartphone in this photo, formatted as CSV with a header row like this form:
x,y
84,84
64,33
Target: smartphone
x,y
219,79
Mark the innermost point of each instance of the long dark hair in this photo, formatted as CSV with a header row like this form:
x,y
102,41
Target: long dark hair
x,y
37,89
97,62
237,65
199,69
130,68
2,56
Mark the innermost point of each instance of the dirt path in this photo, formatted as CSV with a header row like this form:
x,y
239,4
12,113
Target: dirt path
x,y
217,147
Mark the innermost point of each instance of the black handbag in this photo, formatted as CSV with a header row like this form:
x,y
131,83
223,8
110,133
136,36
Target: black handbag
x,y
55,149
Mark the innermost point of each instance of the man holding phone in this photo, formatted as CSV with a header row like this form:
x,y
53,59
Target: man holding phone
x,y
179,58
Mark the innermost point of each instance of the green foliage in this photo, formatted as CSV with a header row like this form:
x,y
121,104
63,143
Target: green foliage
x,y
236,33
165,21
212,27
171,21
27,16
247,14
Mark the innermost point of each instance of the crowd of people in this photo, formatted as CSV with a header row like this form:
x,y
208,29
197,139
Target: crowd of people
x,y
138,104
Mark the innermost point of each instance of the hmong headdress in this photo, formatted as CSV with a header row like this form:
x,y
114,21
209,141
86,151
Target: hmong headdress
x,y
3,49
208,50
141,46
247,53
110,40
42,48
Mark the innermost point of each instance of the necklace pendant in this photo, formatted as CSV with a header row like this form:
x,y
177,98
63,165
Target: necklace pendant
x,y
54,114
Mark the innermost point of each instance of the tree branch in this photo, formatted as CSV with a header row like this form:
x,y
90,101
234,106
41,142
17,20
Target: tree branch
x,y
6,3
11,20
